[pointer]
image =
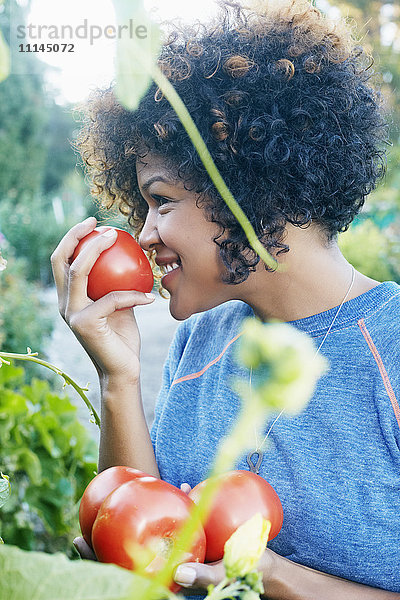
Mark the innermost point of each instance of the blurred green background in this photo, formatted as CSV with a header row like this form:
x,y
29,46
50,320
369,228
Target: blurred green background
x,y
42,194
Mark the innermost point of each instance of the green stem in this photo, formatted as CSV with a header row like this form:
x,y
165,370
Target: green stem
x,y
224,589
178,105
68,380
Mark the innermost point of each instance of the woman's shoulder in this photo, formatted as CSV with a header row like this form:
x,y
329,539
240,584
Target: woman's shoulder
x,y
221,321
384,304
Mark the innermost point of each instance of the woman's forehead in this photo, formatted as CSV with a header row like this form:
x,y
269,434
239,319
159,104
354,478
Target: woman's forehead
x,y
154,168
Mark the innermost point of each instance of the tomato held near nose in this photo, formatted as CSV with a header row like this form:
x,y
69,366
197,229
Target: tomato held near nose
x,y
139,523
241,494
97,491
123,266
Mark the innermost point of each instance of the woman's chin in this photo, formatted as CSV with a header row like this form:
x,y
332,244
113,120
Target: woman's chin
x,y
182,310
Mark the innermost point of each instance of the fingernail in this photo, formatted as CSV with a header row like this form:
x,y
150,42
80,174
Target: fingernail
x,y
150,296
87,220
109,233
185,576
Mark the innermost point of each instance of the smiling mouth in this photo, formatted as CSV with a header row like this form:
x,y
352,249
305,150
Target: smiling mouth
x,y
165,269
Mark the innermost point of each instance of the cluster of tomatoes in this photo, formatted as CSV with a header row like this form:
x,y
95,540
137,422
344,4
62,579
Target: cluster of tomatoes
x,y
125,513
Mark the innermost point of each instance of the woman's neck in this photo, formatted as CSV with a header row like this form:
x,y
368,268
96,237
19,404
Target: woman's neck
x,y
314,277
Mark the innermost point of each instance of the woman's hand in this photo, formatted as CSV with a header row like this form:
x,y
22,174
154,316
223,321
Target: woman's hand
x,y
199,575
109,335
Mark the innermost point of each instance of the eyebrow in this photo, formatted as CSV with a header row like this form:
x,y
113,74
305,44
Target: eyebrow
x,y
153,179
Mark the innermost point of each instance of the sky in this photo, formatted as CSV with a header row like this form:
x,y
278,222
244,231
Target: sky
x,y
92,64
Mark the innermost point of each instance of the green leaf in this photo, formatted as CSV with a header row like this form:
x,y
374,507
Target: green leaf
x,y
4,58
30,463
137,53
4,488
11,376
40,576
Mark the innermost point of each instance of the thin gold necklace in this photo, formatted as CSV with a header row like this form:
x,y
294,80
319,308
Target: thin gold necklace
x,y
255,457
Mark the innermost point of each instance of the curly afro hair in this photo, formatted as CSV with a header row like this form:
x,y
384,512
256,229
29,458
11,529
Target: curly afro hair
x,y
283,99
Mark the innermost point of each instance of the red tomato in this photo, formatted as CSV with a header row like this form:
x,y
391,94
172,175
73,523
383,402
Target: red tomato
x,y
145,514
97,490
124,266
241,495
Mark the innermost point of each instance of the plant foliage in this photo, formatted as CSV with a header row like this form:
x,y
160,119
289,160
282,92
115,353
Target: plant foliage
x,y
23,322
38,576
50,458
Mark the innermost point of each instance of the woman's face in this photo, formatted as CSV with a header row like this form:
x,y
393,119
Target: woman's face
x,y
183,239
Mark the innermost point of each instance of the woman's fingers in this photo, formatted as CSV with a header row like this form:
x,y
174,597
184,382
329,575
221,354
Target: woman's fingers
x,y
109,334
107,306
84,549
198,575
60,259
185,487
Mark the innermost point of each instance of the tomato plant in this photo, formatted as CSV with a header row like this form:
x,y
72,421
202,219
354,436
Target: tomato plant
x,y
240,495
123,266
139,523
98,489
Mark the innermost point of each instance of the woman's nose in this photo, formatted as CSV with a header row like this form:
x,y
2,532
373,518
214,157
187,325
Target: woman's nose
x,y
148,237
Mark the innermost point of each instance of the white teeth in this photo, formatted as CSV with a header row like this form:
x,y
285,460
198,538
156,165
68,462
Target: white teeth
x,y
170,267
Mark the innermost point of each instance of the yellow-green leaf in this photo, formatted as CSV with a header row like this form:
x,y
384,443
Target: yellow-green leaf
x,y
137,52
285,363
245,547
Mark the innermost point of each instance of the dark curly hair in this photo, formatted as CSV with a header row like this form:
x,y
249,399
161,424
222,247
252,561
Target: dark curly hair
x,y
283,99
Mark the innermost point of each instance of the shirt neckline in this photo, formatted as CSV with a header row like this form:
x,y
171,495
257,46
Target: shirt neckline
x,y
352,310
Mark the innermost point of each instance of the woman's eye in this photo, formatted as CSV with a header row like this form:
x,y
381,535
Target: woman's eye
x,y
161,200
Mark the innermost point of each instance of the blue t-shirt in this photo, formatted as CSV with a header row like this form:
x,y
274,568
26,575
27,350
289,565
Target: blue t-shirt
x,y
335,466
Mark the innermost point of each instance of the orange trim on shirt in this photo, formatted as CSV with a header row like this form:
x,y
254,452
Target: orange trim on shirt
x,y
204,369
382,370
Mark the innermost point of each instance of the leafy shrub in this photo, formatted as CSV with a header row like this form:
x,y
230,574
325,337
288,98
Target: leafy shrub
x,y
372,250
50,458
33,233
23,322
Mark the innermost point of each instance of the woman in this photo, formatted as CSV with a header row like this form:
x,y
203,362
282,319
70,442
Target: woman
x,y
283,100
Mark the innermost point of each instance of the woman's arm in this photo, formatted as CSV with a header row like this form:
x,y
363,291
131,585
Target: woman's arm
x,y
124,435
285,580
